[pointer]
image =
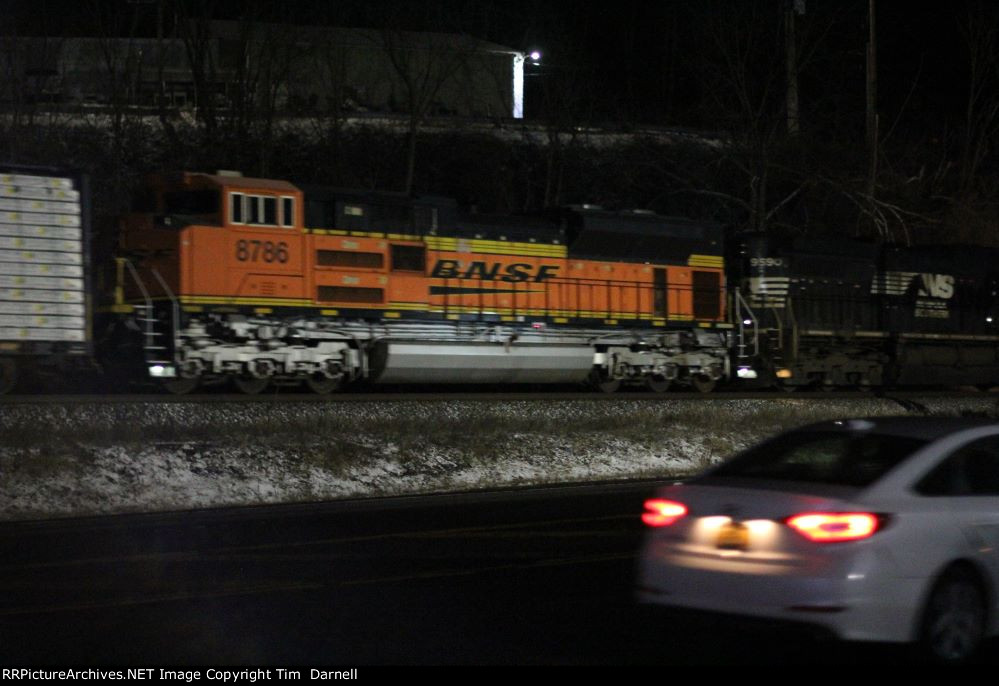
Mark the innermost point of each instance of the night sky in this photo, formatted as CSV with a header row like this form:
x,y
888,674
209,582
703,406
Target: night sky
x,y
641,61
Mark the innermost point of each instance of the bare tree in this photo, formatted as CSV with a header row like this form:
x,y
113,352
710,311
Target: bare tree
x,y
121,55
194,26
745,67
271,56
980,31
29,75
566,89
332,62
423,63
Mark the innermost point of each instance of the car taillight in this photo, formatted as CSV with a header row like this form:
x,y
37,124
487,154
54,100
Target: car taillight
x,y
659,512
834,527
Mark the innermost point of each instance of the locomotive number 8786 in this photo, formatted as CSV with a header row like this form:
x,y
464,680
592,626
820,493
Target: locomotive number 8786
x,y
260,282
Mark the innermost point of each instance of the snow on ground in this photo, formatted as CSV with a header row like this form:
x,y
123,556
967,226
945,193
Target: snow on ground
x,y
109,457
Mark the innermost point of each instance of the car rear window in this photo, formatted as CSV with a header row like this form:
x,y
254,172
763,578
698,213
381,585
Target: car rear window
x,y
832,457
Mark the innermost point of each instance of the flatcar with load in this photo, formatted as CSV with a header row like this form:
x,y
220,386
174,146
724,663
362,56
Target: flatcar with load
x,y
45,306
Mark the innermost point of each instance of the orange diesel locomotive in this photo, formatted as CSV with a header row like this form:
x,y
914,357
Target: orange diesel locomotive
x,y
264,282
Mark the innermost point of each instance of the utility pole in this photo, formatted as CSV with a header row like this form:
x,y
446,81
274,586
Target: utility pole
x,y
872,100
791,8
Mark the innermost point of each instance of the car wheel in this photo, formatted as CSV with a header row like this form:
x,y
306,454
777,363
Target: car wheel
x,y
954,618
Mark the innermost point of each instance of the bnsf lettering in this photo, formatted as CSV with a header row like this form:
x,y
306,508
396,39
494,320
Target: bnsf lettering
x,y
511,273
257,251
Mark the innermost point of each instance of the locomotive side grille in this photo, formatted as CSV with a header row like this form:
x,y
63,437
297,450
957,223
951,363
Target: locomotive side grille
x,y
892,283
350,294
345,258
768,291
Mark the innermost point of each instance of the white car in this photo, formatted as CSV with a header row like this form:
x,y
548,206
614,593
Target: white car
x,y
881,529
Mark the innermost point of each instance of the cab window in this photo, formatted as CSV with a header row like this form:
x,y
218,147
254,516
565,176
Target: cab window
x,y
199,202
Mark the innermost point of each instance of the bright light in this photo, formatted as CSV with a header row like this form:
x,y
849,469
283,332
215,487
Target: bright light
x,y
536,55
784,374
518,86
833,527
746,373
662,512
747,322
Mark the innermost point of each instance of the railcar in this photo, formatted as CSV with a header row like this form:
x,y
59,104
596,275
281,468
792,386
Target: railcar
x,y
45,305
853,314
222,277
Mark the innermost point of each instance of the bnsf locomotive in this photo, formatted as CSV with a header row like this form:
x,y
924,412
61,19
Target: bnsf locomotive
x,y
263,282
222,278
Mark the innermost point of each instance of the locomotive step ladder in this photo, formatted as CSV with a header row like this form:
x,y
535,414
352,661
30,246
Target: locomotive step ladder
x,y
159,347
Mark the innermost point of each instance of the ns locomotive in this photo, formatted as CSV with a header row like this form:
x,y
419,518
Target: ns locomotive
x,y
854,314
222,278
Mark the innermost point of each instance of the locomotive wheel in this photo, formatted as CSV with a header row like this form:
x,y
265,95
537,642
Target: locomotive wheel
x,y
321,385
180,386
603,384
608,385
859,382
702,383
657,384
8,375
250,385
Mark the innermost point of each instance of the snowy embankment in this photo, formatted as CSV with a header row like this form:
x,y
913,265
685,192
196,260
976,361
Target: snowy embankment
x,y
106,457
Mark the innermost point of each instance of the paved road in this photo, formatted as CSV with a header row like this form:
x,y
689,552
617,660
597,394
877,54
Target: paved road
x,y
539,576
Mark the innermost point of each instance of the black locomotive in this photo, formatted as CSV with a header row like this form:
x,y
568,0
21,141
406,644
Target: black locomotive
x,y
844,313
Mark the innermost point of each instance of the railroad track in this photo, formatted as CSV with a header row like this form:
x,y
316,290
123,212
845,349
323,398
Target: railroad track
x,y
390,395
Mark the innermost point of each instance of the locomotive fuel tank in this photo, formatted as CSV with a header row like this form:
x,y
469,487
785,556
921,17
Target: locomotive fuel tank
x,y
431,362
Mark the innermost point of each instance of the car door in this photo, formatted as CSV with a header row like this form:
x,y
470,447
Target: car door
x,y
968,481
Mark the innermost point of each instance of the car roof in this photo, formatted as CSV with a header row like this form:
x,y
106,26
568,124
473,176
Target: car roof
x,y
927,428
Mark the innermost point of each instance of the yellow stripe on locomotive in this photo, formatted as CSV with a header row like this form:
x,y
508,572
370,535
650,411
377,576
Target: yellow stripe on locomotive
x,y
231,240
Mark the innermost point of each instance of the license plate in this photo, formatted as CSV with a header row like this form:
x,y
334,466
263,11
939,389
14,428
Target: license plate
x,y
733,536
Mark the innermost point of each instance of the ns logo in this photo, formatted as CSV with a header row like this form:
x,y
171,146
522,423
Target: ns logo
x,y
935,286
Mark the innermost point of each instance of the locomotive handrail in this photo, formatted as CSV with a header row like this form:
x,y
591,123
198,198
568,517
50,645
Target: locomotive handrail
x,y
138,280
793,323
174,312
148,332
740,303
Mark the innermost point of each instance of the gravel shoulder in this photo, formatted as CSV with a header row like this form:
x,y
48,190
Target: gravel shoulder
x,y
108,457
